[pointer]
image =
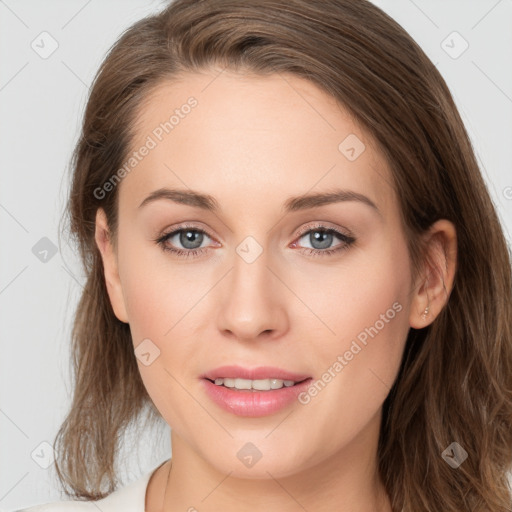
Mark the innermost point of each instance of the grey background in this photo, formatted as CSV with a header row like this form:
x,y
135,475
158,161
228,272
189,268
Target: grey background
x,y
41,102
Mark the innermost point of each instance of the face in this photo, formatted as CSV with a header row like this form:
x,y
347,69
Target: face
x,y
322,290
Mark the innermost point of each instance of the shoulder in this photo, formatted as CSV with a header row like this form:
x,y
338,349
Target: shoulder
x,y
127,499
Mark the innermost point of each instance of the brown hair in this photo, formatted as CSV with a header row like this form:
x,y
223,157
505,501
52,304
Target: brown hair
x,y
455,380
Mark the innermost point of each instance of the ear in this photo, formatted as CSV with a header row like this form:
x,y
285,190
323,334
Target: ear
x,y
108,255
433,287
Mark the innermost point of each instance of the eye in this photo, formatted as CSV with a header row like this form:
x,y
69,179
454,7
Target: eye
x,y
189,237
321,238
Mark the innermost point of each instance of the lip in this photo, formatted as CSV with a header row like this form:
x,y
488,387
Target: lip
x,y
254,403
261,372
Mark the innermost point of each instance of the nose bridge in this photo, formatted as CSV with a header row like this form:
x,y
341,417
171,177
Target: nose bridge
x,y
251,303
250,268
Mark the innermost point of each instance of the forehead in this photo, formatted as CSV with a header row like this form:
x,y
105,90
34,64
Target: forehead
x,y
247,138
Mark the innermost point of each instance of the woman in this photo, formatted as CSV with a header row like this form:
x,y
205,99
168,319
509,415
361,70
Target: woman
x,y
293,260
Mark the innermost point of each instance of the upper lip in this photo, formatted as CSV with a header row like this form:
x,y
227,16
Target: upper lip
x,y
259,373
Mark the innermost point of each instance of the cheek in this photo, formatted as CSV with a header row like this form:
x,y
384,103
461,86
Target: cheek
x,y
156,292
350,295
366,305
149,300
163,302
372,312
162,305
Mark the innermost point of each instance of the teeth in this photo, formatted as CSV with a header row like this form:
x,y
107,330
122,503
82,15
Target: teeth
x,y
260,385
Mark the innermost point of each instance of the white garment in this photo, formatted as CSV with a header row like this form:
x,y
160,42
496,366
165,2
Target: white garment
x,y
131,498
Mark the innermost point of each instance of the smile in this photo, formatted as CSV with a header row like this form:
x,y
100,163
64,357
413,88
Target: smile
x,y
254,385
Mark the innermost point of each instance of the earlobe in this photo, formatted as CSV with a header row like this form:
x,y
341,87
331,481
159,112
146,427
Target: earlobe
x,y
108,256
434,289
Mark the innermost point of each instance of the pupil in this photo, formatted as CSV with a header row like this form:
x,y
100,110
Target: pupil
x,y
323,237
187,238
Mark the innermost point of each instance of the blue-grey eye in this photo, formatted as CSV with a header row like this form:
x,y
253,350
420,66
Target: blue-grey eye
x,y
321,238
190,238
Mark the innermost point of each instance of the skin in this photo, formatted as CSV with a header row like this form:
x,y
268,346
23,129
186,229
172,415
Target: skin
x,y
252,142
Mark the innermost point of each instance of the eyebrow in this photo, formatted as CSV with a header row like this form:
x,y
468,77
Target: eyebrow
x,y
292,204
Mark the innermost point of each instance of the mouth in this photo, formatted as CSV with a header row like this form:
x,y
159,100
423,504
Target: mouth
x,y
254,392
248,385
258,374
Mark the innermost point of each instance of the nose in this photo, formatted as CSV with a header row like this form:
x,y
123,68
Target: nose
x,y
252,303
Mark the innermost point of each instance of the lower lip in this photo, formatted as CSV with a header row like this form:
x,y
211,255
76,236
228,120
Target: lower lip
x,y
254,403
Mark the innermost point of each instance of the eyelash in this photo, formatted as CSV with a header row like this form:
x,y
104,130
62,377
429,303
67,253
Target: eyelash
x,y
190,253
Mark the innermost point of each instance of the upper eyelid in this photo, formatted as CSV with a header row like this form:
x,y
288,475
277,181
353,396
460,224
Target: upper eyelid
x,y
319,225
175,230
